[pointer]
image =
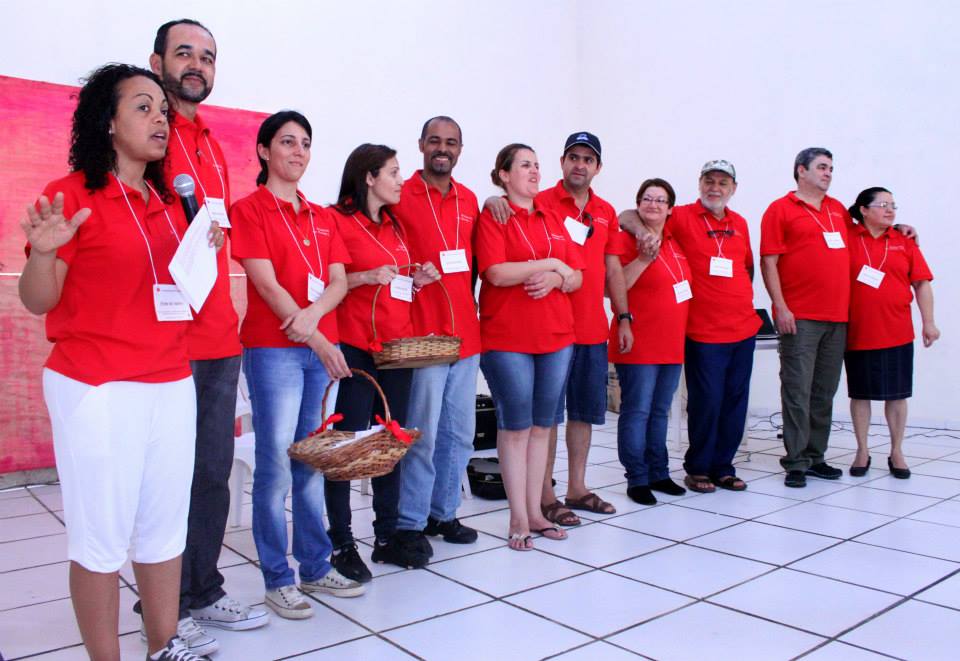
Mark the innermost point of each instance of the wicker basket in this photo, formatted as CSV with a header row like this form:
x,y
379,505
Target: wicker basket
x,y
371,456
416,351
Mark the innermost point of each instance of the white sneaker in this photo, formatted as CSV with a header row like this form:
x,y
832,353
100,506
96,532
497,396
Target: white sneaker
x,y
288,602
193,637
230,614
336,584
175,650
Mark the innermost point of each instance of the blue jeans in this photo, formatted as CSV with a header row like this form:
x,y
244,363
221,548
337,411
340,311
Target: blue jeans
x,y
443,407
646,392
526,387
286,389
585,395
718,390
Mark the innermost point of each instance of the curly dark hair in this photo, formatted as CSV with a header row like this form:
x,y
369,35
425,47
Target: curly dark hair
x,y
366,158
91,147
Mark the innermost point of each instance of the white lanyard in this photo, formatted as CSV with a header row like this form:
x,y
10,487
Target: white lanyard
x,y
436,219
817,220
545,233
667,266
389,254
711,232
216,166
313,231
886,247
153,266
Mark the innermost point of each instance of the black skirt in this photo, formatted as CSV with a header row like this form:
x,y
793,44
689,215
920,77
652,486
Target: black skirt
x,y
880,374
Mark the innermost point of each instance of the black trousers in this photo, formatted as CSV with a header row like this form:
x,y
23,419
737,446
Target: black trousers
x,y
359,403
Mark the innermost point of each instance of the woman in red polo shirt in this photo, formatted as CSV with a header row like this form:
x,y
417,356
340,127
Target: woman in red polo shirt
x,y
380,259
658,294
884,264
528,265
117,383
294,259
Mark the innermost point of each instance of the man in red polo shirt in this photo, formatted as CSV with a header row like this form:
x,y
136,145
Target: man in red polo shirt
x,y
184,56
438,216
591,223
805,265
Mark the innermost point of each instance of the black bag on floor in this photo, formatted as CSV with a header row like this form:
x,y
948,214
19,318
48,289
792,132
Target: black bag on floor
x,y
485,438
486,481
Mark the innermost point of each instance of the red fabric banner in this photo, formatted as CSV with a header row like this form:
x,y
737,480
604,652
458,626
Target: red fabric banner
x,y
35,122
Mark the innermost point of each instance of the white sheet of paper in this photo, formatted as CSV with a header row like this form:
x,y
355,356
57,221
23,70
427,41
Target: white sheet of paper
x,y
454,261
577,230
194,265
218,210
833,239
870,276
401,287
682,291
721,267
315,288
169,304
357,436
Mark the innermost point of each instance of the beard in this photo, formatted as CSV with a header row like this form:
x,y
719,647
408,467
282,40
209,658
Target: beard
x,y
714,206
440,169
176,87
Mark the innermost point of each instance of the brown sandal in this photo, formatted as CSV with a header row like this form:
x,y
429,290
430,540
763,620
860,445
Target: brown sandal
x,y
591,503
730,483
699,483
557,513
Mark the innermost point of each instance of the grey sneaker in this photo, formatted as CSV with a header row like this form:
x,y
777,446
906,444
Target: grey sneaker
x,y
192,636
289,603
230,614
336,584
175,650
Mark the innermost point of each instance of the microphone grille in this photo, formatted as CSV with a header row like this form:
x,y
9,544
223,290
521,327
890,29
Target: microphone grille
x,y
183,184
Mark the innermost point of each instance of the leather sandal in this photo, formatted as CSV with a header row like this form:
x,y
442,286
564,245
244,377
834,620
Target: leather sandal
x,y
699,483
557,512
730,483
590,503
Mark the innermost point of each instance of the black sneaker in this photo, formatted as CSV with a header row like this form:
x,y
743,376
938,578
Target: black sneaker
x,y
824,471
402,549
795,479
668,487
453,531
175,650
346,560
641,495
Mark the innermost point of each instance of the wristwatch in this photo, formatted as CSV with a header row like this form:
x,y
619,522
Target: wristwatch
x,y
625,315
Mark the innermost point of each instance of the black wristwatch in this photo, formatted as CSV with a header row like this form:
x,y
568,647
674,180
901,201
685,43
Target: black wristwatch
x,y
625,315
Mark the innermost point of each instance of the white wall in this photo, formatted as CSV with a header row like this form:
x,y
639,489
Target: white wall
x,y
666,85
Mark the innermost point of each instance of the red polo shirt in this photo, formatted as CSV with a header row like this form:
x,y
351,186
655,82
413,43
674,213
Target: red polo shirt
x,y
814,278
722,309
104,327
590,322
265,227
880,318
660,323
510,320
433,222
370,246
192,150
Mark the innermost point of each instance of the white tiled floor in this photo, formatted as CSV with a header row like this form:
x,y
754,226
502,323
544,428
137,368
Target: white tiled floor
x,y
851,570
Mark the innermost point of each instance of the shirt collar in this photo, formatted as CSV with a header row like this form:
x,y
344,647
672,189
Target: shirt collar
x,y
181,123
418,185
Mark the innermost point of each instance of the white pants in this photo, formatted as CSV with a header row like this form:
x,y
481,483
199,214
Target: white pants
x,y
124,454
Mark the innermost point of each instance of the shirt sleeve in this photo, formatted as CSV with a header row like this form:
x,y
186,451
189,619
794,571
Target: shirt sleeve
x,y
490,246
748,252
614,245
248,237
338,249
919,270
772,239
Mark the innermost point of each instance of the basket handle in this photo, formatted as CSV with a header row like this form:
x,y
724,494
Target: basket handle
x,y
443,287
376,386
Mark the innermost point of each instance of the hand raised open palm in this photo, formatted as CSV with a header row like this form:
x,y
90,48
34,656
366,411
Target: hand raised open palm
x,y
46,228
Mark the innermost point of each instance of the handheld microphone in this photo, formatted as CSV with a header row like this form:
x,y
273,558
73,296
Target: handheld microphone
x,y
183,184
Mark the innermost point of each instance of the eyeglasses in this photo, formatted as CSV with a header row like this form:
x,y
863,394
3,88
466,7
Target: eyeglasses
x,y
654,200
715,233
883,205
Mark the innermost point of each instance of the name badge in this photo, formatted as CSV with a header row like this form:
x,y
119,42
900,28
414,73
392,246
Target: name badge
x,y
401,287
833,239
682,291
218,210
577,230
170,304
870,276
315,288
454,261
721,267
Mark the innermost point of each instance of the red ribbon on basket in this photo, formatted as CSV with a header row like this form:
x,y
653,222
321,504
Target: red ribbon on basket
x,y
336,417
376,346
394,428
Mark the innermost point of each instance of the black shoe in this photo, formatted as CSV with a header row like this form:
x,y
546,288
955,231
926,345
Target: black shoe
x,y
402,549
668,487
347,561
641,495
453,531
825,471
795,479
899,473
860,471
